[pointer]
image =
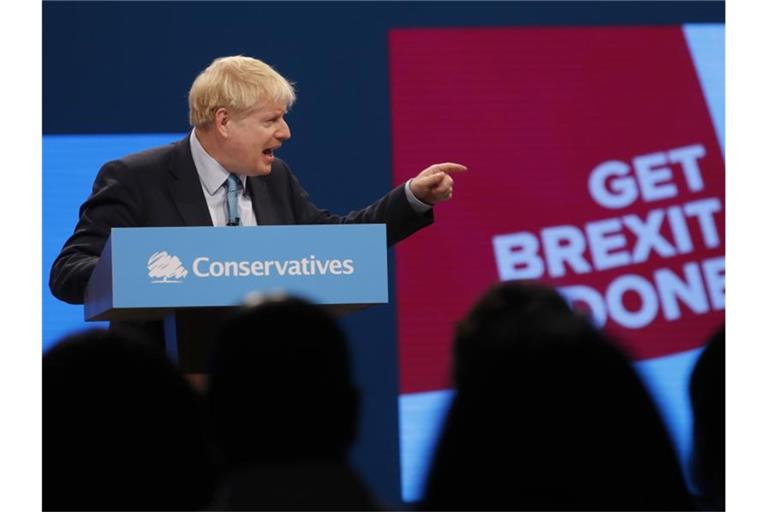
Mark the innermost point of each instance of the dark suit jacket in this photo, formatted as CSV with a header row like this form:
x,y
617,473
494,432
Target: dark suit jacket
x,y
161,187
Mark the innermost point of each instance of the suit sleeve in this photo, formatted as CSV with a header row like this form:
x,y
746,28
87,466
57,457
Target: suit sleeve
x,y
112,203
393,209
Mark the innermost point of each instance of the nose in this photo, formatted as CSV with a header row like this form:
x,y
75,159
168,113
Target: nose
x,y
283,132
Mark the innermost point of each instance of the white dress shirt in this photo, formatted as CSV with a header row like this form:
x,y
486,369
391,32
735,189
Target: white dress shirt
x,y
214,179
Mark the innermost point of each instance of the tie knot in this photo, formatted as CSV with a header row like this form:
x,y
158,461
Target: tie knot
x,y
233,183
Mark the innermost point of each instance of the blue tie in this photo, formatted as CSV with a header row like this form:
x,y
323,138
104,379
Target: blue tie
x,y
233,189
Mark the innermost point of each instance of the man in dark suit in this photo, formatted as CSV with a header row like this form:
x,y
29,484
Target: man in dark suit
x,y
225,172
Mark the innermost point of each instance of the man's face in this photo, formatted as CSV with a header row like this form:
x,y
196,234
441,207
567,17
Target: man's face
x,y
254,138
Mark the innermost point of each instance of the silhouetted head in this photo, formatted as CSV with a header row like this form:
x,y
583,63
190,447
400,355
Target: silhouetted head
x,y
121,428
281,388
548,415
707,391
501,324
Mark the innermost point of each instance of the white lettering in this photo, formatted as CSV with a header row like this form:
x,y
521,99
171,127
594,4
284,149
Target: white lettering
x,y
714,275
196,269
217,269
690,291
230,268
204,267
654,179
564,244
517,256
687,157
580,294
648,236
664,294
704,210
612,186
622,190
604,236
649,304
322,266
680,231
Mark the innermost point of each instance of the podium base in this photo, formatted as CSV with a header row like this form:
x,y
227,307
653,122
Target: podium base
x,y
190,335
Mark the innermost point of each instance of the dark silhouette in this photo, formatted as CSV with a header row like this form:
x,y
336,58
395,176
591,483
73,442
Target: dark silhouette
x,y
284,411
122,430
707,391
548,416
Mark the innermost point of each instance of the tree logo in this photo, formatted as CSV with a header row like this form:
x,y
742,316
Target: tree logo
x,y
164,268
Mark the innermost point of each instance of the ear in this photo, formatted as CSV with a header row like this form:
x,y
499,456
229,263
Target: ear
x,y
221,121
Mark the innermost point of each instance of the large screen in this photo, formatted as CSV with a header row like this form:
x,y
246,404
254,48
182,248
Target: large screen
x,y
595,160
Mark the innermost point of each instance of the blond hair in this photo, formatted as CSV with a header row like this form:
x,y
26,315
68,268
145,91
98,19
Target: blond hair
x,y
239,84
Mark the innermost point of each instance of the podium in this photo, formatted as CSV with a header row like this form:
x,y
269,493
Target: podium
x,y
188,279
191,278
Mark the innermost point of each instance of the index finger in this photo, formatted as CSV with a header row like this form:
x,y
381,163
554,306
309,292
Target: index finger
x,y
448,167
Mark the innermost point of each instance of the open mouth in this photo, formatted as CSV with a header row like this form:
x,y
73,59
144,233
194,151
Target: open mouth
x,y
269,154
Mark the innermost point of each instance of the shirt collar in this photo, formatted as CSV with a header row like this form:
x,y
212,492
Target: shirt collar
x,y
212,174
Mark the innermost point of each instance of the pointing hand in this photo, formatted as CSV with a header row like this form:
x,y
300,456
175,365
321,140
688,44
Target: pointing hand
x,y
434,184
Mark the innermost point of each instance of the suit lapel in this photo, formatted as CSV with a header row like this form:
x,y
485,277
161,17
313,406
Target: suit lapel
x,y
266,213
185,188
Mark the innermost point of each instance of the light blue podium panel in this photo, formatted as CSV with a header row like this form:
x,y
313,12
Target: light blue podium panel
x,y
192,277
148,270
